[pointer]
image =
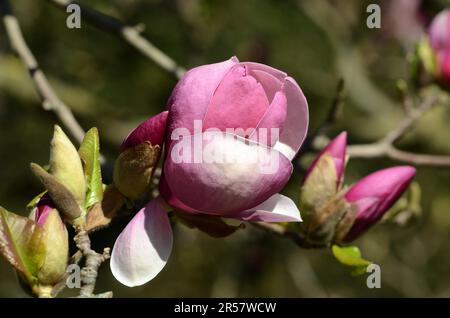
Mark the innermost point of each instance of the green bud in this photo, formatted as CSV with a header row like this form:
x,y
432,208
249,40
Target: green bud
x,y
134,167
49,249
66,166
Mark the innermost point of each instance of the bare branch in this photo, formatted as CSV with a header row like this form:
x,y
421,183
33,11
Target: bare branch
x,y
386,148
93,260
412,116
50,101
378,150
131,35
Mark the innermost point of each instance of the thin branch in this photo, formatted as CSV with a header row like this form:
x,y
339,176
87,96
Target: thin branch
x,y
378,150
386,148
412,116
131,35
93,260
50,101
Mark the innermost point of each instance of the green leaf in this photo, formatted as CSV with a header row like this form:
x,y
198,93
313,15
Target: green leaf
x,y
90,155
360,270
35,200
350,256
15,234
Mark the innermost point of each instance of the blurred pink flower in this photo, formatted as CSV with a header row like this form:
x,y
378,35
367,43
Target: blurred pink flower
x,y
252,114
404,20
439,34
374,194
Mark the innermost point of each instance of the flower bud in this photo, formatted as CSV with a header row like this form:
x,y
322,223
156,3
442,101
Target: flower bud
x,y
324,176
66,166
337,150
321,197
49,244
373,195
141,151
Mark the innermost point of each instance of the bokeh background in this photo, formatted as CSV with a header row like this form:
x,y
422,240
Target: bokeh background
x,y
111,86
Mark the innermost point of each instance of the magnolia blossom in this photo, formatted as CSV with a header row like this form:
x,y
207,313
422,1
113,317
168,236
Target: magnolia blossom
x,y
374,194
439,34
251,114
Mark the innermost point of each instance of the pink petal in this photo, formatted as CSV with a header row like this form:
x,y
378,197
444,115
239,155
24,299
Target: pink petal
x,y
144,246
279,75
239,102
248,174
270,83
278,208
337,149
272,120
171,199
43,208
193,93
152,130
439,31
295,127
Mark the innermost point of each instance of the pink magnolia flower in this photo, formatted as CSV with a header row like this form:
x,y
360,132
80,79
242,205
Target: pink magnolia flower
x,y
254,116
337,150
439,34
374,194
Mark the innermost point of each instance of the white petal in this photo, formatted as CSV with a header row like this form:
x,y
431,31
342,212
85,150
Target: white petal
x,y
144,246
278,208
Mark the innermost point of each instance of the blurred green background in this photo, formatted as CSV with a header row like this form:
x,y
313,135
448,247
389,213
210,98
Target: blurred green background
x,y
113,87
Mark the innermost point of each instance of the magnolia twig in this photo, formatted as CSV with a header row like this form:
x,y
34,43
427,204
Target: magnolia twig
x,y
93,260
386,148
131,35
50,101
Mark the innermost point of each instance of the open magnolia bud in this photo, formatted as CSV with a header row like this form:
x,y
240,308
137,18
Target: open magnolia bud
x,y
323,179
141,150
66,166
